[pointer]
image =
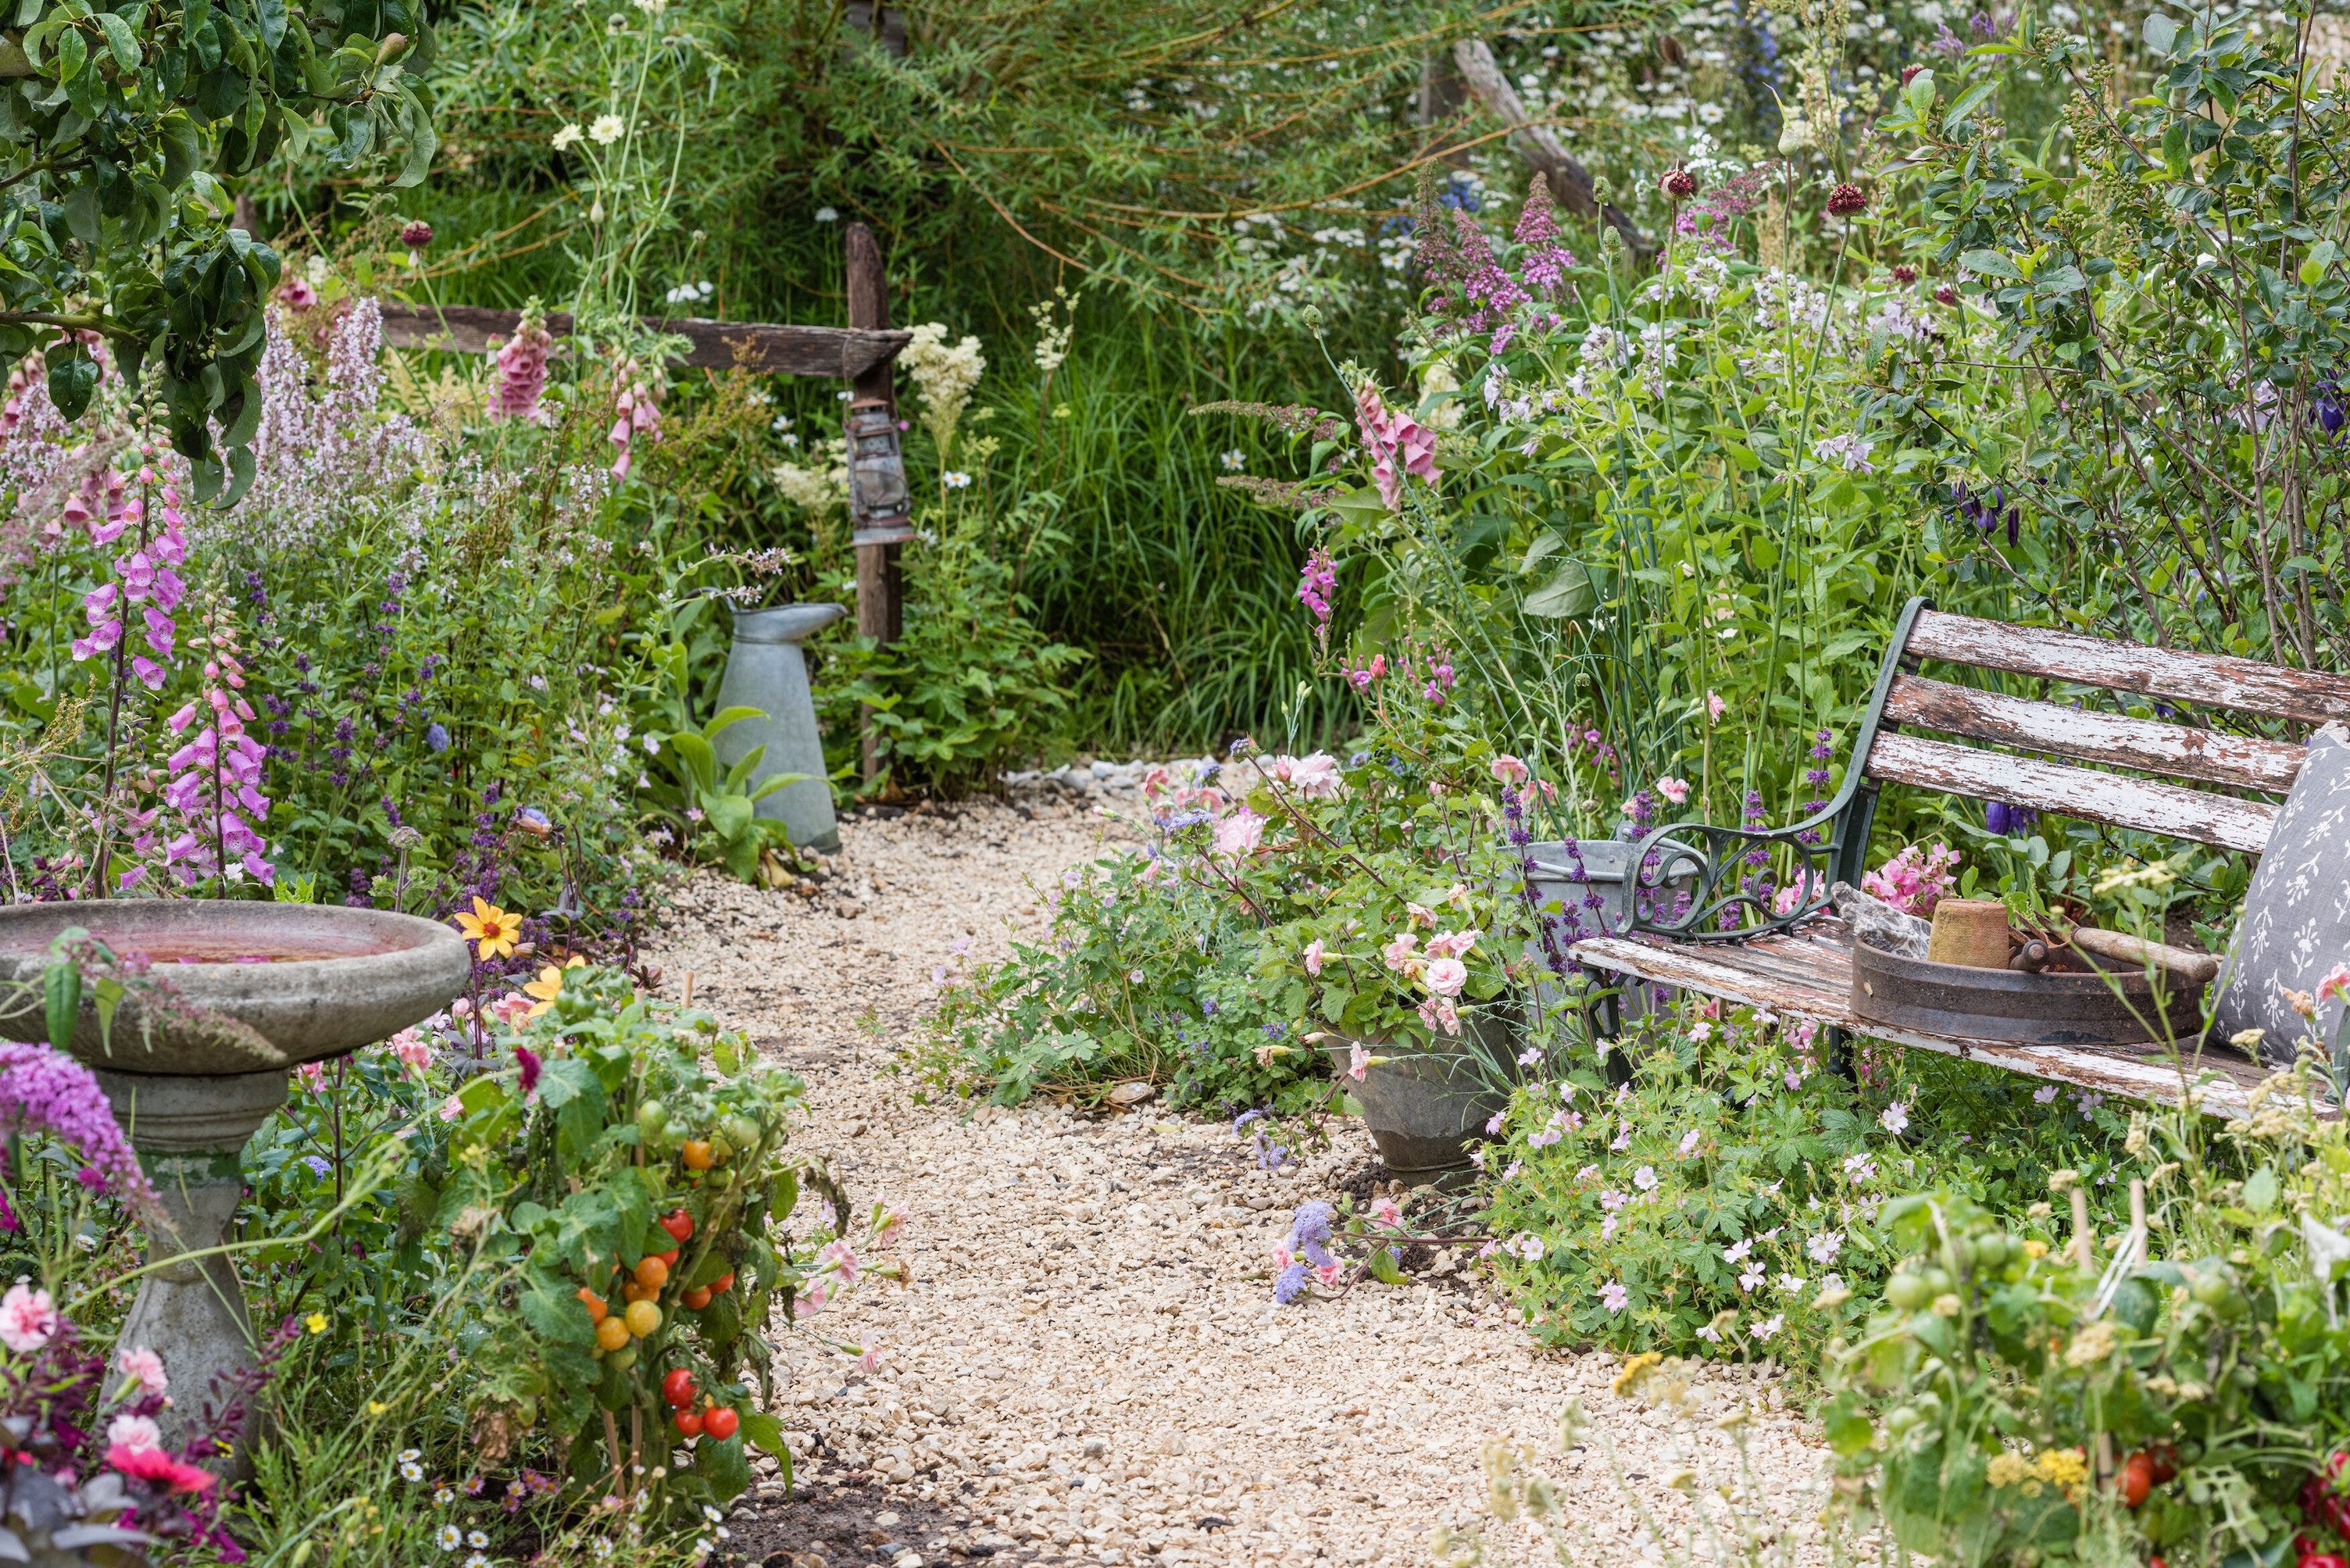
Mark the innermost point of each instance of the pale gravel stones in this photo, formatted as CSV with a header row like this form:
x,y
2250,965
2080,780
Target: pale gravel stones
x,y
1087,1365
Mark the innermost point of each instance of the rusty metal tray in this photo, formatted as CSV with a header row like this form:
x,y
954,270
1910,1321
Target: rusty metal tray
x,y
2116,1007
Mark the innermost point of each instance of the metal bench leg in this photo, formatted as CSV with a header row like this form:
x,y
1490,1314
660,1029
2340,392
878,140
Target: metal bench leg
x,y
1837,1046
1605,1014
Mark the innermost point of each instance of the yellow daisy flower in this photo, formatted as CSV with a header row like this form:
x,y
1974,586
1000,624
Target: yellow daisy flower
x,y
491,931
548,986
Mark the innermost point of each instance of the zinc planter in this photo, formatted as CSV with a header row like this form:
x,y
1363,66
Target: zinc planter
x,y
1426,1105
1573,872
766,670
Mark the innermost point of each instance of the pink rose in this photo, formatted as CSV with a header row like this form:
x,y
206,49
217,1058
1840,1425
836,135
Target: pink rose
x,y
28,1320
1446,976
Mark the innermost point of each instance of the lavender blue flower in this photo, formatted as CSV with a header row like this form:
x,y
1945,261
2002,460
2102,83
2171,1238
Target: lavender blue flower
x,y
41,1091
1288,1282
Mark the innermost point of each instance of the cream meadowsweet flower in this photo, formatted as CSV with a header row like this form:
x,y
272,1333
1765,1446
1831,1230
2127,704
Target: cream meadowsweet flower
x,y
608,129
567,138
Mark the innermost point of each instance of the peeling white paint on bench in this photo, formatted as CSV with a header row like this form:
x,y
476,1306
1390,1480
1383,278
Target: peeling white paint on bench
x,y
2220,680
1808,974
2117,798
2238,762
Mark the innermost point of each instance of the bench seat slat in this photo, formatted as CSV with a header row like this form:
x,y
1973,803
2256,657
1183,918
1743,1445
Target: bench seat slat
x,y
1808,974
2218,680
2125,802
2240,761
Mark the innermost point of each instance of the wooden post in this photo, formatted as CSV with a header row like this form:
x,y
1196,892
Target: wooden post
x,y
880,615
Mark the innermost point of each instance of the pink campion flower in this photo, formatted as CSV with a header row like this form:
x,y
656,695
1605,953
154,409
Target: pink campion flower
x,y
1508,770
1452,944
1446,976
134,1432
414,1052
1674,790
28,1319
1312,956
1359,1063
840,1257
145,1368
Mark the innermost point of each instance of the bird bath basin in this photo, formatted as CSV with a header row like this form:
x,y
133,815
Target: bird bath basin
x,y
233,997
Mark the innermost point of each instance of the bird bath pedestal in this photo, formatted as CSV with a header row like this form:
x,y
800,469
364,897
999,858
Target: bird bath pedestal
x,y
237,995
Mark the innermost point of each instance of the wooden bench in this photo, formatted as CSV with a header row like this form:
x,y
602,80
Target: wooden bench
x,y
1724,939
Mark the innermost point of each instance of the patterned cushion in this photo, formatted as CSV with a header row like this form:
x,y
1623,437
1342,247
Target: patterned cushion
x,y
2296,923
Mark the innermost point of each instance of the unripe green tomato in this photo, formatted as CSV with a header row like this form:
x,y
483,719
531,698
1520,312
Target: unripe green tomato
x,y
623,1359
2212,1287
652,1120
722,1148
1990,1249
741,1131
1907,1290
1901,1420
1938,1283
1930,1406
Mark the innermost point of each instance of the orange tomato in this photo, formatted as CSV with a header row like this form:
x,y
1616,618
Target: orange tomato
x,y
723,1284
596,1310
652,1274
697,1154
697,1299
611,1333
632,1291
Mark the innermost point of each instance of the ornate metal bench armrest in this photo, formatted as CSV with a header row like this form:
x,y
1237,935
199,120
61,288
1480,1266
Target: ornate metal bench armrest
x,y
1721,892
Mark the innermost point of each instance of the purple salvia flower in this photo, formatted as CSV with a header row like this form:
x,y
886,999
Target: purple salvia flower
x,y
42,1091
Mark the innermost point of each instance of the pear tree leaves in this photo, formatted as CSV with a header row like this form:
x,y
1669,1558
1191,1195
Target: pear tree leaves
x,y
119,119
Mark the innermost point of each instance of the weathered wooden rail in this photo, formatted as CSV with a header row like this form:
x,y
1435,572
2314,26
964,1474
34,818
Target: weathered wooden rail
x,y
842,353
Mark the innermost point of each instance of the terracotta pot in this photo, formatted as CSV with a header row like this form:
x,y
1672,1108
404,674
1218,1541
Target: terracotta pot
x,y
1968,932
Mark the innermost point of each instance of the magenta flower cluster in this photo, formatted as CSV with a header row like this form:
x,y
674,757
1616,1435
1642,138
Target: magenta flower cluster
x,y
216,788
1317,585
44,1091
145,578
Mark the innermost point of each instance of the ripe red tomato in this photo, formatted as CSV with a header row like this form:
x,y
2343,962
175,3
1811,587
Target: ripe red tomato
x,y
679,1224
2155,1563
669,1257
676,1388
688,1423
695,1299
723,1284
2166,1462
2137,1478
721,1423
2322,1560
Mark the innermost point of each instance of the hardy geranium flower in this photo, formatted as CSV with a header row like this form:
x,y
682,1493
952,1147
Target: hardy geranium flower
x,y
491,931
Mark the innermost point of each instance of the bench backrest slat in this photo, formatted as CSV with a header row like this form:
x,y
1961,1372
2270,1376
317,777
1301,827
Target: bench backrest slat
x,y
2238,762
2219,681
2116,798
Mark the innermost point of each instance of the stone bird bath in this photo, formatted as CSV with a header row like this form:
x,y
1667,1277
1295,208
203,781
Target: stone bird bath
x,y
240,994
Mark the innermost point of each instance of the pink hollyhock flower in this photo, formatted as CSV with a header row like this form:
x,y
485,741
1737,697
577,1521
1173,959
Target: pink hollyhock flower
x,y
28,1320
1510,770
1446,976
1314,956
1359,1063
158,1468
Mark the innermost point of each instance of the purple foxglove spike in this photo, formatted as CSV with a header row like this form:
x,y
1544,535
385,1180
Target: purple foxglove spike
x,y
149,673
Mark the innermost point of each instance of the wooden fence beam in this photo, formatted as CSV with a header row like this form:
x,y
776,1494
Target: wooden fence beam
x,y
836,353
880,608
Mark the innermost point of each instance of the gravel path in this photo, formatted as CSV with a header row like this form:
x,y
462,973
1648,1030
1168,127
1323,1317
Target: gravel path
x,y
1087,1365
